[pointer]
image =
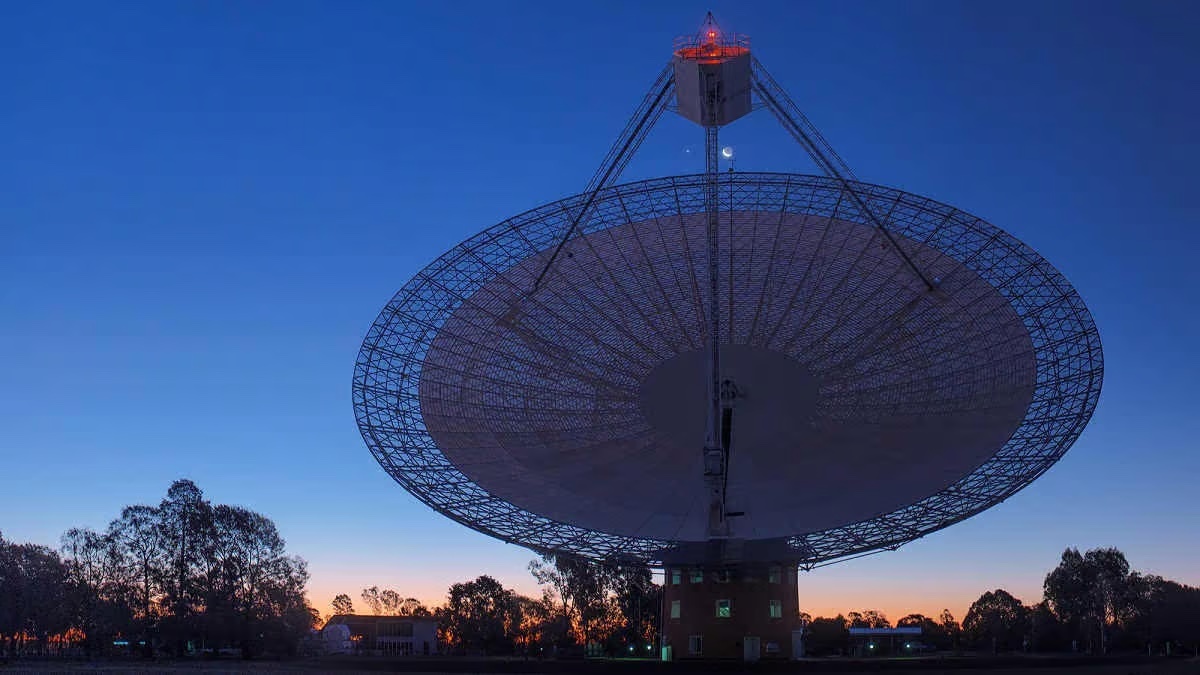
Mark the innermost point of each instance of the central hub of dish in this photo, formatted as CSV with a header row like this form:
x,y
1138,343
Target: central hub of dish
x,y
772,413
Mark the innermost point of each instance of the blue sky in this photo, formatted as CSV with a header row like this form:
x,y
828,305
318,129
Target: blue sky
x,y
204,205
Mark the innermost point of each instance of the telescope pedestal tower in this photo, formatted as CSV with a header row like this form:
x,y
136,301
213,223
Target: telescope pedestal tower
x,y
713,82
724,611
739,612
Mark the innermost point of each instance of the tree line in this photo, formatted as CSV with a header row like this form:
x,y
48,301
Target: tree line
x,y
187,576
183,577
613,609
1092,602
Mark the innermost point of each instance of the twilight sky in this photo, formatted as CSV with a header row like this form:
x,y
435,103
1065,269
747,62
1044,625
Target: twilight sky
x,y
203,205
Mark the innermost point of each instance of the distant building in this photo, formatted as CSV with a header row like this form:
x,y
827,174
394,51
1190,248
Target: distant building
x,y
902,640
386,635
335,639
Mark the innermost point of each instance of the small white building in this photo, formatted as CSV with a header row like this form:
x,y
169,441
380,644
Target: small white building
x,y
337,638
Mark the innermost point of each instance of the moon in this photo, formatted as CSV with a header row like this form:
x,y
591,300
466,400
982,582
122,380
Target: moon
x,y
727,152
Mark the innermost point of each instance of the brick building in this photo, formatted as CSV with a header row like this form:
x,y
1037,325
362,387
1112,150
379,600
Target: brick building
x,y
745,613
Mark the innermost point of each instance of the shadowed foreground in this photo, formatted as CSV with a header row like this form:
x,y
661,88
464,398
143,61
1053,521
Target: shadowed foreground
x,y
1000,666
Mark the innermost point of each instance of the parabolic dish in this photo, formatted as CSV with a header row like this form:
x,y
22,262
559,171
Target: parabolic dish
x,y
870,410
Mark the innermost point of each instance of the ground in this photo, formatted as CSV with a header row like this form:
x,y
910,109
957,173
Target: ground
x,y
418,666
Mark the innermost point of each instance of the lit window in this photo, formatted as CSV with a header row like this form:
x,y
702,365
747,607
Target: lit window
x,y
676,577
697,576
774,575
776,609
723,611
695,644
674,609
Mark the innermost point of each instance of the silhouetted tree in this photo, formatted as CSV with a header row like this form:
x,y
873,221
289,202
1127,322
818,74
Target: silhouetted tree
x,y
390,601
1163,611
1045,630
996,621
373,599
932,632
481,616
637,599
97,596
950,628
386,602
1066,592
536,631
183,572
825,636
1091,593
413,607
137,544
576,588
251,587
342,605
611,605
869,619
33,594
185,523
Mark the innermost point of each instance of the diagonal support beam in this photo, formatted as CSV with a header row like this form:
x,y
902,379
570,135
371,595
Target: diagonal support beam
x,y
647,115
826,158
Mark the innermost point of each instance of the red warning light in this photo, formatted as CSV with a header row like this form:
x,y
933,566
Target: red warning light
x,y
710,44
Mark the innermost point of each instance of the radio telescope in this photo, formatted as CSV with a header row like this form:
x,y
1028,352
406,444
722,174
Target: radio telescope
x,y
728,372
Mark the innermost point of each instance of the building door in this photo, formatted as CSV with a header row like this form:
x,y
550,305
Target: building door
x,y
751,649
798,644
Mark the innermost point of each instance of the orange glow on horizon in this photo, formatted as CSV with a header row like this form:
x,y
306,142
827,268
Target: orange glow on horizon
x,y
893,605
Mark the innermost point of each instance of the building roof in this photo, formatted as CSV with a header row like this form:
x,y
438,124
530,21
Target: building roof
x,y
369,618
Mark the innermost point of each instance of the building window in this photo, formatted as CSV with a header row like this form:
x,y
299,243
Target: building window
x,y
674,609
396,629
697,576
676,577
723,610
695,645
774,574
723,577
776,609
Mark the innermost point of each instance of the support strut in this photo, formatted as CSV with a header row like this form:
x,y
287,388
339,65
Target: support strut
x,y
796,123
714,451
647,115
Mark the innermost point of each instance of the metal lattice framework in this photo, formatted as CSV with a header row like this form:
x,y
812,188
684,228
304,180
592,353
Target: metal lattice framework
x,y
462,359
